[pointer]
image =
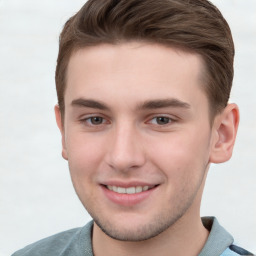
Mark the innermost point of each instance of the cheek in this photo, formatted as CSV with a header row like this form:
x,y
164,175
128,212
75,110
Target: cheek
x,y
84,154
182,155
83,159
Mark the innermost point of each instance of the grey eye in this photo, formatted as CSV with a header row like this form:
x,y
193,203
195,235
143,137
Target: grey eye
x,y
96,120
162,120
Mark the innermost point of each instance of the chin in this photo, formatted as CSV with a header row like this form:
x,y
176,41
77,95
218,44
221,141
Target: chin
x,y
135,231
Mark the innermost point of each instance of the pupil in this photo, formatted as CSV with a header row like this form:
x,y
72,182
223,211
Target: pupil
x,y
162,120
96,120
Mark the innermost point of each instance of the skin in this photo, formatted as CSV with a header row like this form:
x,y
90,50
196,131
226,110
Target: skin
x,y
136,113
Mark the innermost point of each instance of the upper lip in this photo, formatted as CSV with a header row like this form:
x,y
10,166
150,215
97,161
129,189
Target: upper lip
x,y
125,184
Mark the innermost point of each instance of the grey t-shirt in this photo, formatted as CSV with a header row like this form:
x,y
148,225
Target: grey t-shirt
x,y
77,242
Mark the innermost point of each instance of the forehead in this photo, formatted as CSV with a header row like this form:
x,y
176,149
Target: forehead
x,y
133,71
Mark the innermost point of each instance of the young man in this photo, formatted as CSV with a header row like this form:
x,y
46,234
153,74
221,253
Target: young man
x,y
143,89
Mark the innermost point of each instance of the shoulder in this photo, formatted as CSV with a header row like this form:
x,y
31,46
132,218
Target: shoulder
x,y
239,250
219,241
234,250
70,242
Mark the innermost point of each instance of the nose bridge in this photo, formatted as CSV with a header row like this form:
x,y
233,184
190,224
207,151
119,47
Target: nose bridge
x,y
125,151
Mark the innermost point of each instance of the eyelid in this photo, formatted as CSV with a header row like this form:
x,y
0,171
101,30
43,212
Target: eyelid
x,y
171,117
172,120
84,119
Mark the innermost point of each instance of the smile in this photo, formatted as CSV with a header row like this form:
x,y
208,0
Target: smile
x,y
130,190
129,194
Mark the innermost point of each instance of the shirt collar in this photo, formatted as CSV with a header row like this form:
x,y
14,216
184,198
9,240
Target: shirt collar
x,y
218,240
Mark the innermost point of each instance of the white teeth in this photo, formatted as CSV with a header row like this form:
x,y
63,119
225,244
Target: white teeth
x,y
121,190
145,188
138,189
130,190
110,187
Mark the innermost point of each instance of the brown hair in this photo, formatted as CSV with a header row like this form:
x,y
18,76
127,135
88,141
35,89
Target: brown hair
x,y
193,25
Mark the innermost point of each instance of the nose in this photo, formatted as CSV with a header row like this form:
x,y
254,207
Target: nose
x,y
125,151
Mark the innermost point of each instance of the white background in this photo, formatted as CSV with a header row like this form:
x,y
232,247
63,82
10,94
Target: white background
x,y
36,194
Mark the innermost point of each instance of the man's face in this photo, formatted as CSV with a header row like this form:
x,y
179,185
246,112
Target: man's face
x,y
137,136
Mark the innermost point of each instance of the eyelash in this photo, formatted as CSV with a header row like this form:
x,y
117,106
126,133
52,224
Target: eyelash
x,y
167,120
88,121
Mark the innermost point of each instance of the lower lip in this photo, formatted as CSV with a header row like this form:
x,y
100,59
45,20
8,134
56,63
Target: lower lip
x,y
127,199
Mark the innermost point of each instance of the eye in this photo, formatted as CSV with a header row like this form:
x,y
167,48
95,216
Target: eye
x,y
161,120
94,120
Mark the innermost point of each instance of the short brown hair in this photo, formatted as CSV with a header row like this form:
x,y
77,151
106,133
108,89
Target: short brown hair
x,y
193,25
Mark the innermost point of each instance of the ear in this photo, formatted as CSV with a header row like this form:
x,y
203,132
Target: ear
x,y
61,128
224,134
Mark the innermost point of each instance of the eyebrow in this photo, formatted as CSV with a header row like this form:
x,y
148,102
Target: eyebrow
x,y
149,104
163,103
81,102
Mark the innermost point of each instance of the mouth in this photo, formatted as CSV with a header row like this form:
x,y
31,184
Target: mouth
x,y
129,190
129,194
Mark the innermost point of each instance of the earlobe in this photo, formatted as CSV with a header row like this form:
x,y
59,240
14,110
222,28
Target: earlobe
x,y
61,128
225,130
